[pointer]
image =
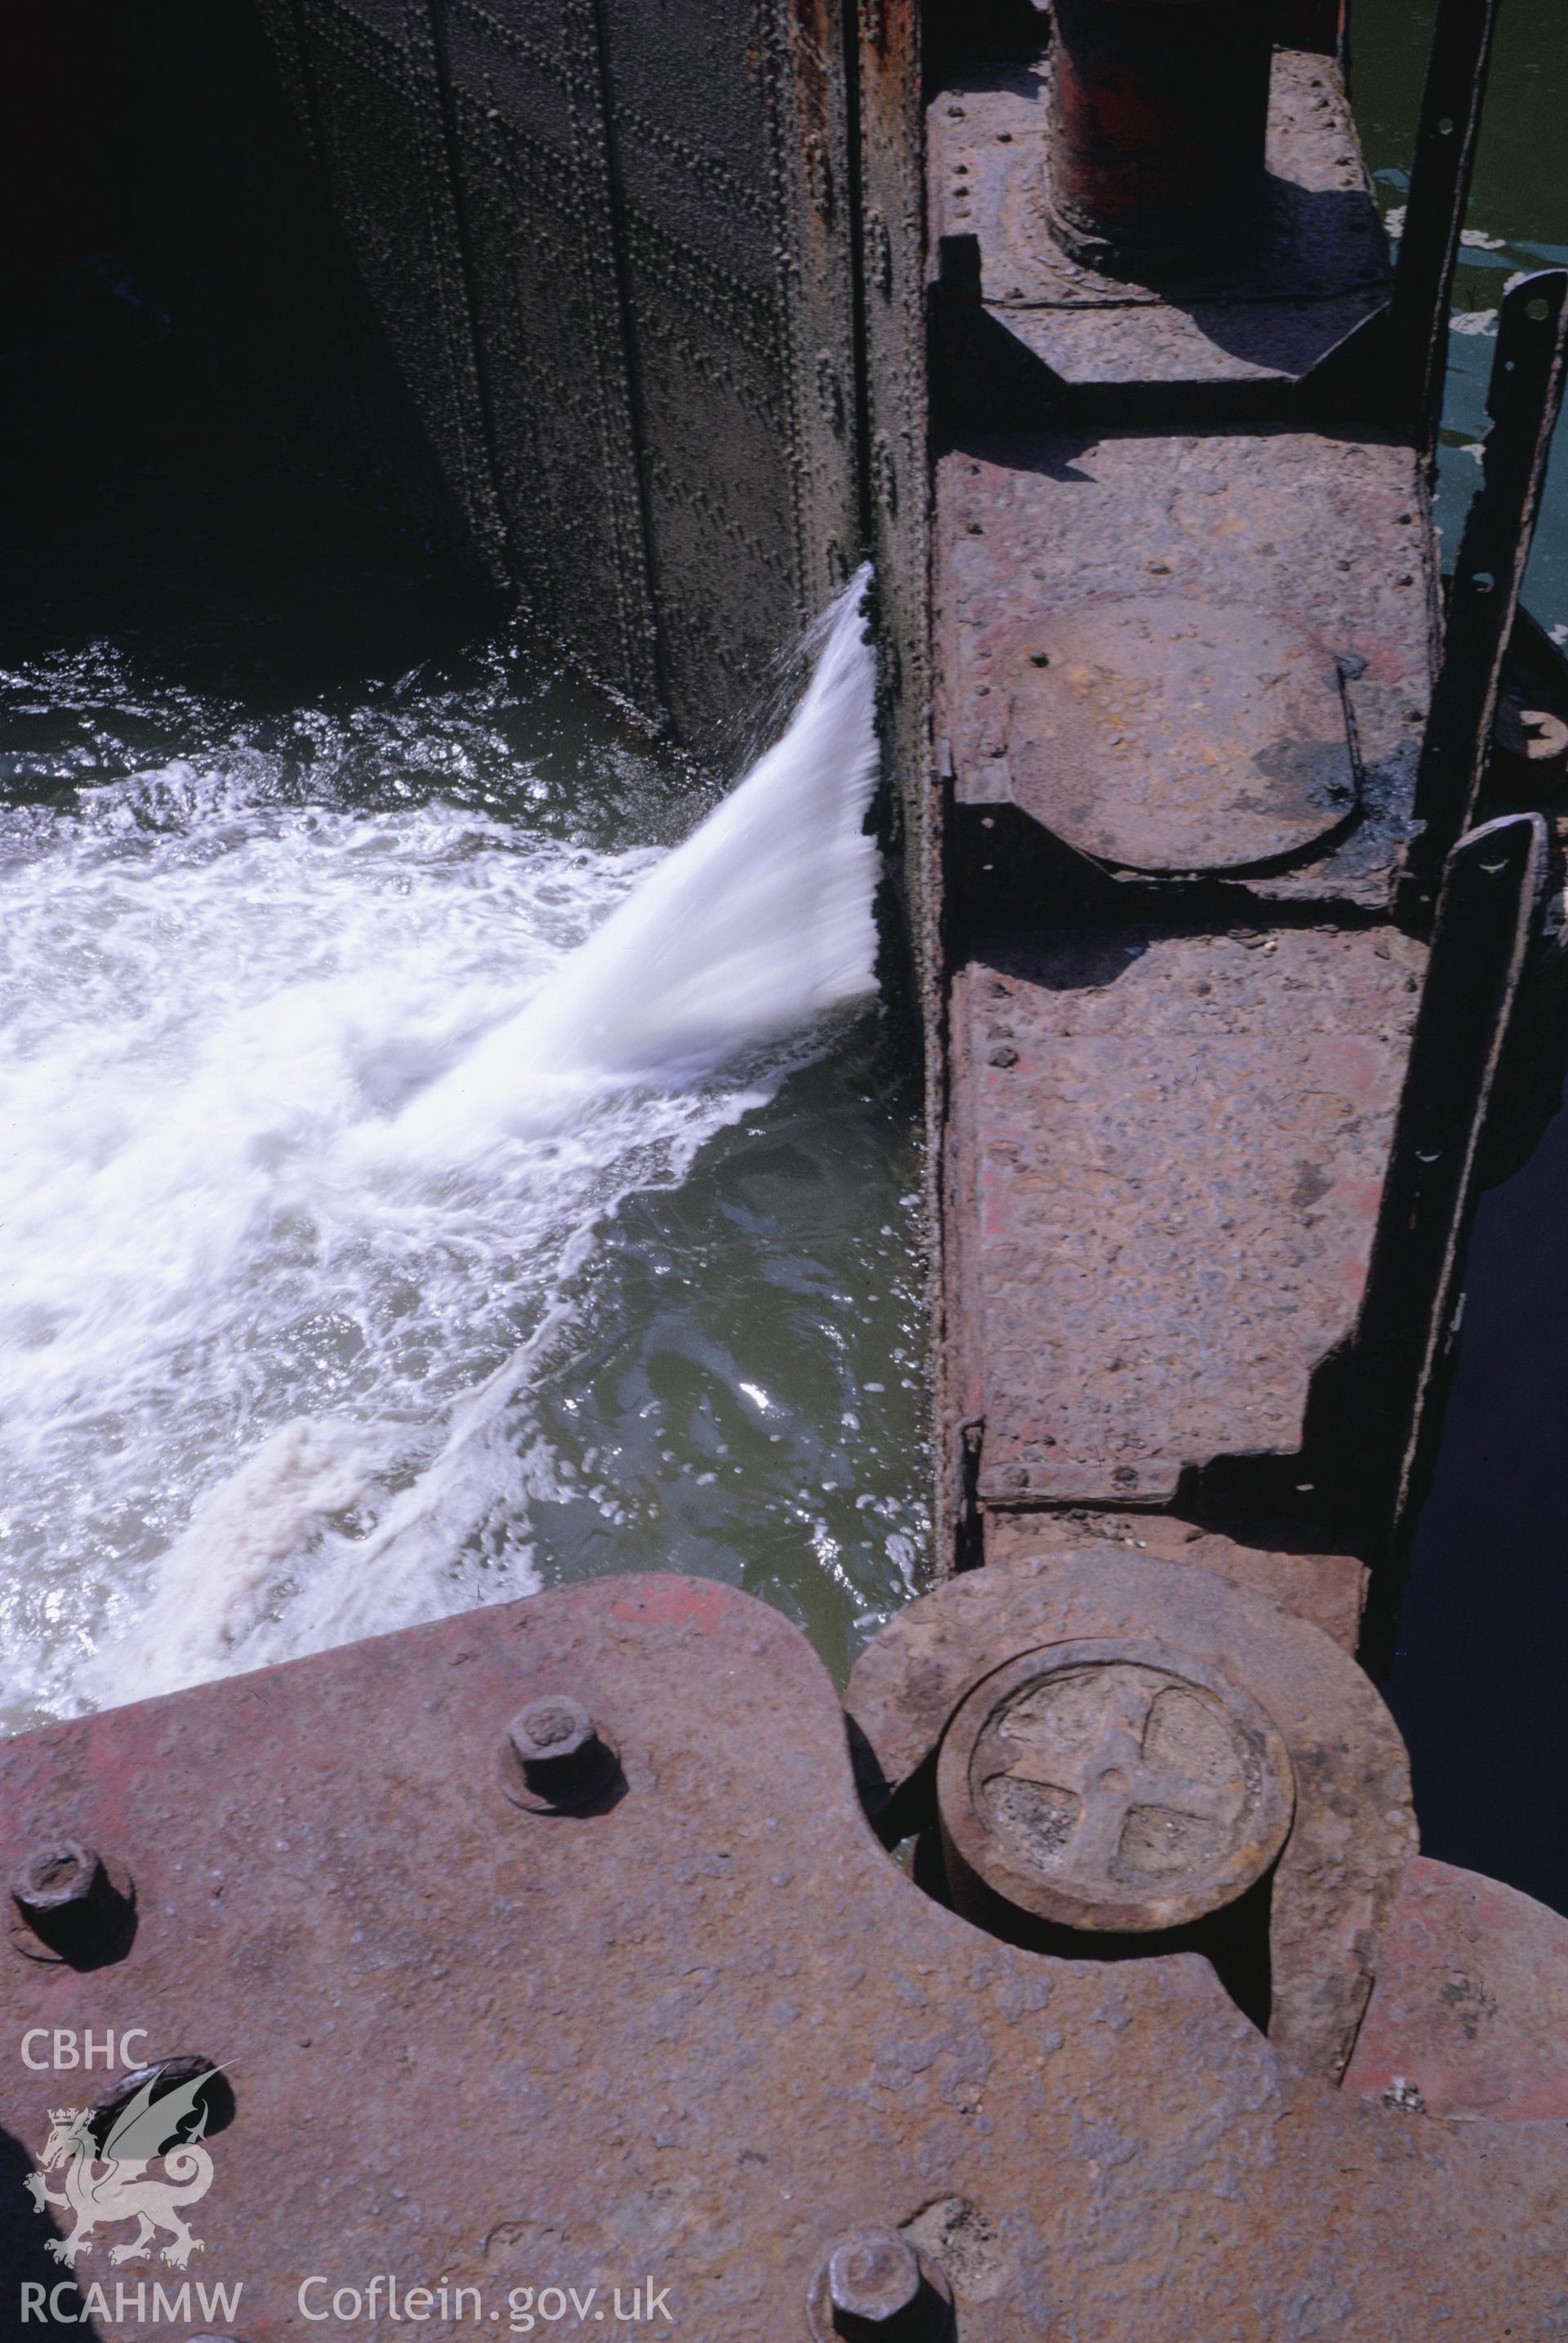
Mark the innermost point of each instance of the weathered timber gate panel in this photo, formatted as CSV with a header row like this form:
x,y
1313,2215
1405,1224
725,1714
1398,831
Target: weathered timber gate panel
x,y
613,250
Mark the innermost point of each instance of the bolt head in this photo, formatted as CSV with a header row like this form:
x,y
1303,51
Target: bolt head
x,y
873,2278
58,1877
555,1725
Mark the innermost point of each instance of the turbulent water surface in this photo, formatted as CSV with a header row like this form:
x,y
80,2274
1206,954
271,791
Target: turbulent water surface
x,y
421,1178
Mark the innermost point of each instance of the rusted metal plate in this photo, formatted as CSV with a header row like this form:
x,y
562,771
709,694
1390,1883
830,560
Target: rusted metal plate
x,y
1353,1829
1165,1155
1166,736
729,132
1283,1560
1320,538
695,2040
888,36
1469,2015
533,173
1322,268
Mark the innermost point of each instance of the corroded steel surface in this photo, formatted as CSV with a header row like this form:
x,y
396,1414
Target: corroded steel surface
x,y
366,83
1166,1152
1354,1828
1267,319
1469,2015
1282,1559
1323,536
705,2035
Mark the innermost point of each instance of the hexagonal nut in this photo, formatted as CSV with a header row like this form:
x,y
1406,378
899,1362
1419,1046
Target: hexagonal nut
x,y
555,1758
57,1876
877,2287
69,1902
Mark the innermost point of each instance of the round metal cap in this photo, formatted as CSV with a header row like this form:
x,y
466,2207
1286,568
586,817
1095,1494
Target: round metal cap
x,y
1158,733
1114,1786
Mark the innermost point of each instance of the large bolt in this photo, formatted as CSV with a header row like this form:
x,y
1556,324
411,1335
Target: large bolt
x,y
66,1898
59,1877
876,2288
558,1744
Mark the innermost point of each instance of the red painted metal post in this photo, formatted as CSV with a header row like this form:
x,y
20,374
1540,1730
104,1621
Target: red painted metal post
x,y
1159,112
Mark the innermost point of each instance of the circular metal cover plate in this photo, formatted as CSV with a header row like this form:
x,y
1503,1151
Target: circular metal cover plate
x,y
1159,733
1114,1784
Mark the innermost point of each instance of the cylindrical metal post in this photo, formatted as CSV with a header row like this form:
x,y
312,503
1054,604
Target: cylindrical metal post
x,y
1159,115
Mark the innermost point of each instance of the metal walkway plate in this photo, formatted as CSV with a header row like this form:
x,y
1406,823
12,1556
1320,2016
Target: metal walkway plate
x,y
1168,1152
698,2034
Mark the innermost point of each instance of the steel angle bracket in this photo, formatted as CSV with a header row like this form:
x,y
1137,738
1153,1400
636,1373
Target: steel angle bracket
x,y
1393,363
1524,400
1487,916
1447,136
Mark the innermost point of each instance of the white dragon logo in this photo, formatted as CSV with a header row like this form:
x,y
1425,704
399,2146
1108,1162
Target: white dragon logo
x,y
104,2183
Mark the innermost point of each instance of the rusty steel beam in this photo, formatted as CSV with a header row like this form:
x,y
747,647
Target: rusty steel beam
x,y
1184,640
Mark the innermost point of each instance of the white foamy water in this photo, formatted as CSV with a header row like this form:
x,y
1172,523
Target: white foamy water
x,y
308,1119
